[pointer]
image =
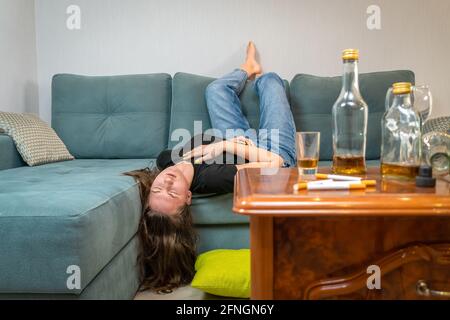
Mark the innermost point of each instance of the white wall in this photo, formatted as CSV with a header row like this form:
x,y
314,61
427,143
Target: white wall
x,y
209,36
18,81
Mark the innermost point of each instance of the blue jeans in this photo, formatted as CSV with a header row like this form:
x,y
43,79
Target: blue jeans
x,y
276,131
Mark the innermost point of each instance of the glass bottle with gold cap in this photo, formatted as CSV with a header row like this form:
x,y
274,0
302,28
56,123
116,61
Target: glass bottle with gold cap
x,y
401,136
349,116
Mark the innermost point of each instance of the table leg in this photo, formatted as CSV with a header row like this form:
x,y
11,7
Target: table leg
x,y
261,246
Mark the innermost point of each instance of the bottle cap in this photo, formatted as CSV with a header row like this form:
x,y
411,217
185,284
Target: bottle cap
x,y
402,87
425,178
350,54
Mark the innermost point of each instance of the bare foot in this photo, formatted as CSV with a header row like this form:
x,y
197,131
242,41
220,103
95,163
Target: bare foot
x,y
251,66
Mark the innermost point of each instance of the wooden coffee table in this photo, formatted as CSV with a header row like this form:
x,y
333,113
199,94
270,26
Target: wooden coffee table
x,y
320,244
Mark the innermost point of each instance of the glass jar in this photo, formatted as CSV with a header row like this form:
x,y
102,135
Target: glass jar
x,y
436,151
401,136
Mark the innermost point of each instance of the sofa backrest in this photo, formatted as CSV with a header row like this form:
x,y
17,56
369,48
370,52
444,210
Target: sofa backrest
x,y
189,104
312,99
137,116
112,116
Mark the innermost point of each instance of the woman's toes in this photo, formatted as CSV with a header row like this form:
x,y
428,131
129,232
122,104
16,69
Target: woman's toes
x,y
251,65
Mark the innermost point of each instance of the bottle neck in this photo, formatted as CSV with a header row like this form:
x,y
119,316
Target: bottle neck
x,y
403,100
350,80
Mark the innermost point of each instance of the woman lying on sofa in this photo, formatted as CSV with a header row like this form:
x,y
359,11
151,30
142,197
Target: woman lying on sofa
x,y
168,239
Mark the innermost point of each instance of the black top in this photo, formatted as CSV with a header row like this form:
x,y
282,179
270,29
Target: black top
x,y
208,178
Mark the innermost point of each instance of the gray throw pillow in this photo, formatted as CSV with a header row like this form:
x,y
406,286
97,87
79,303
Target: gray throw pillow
x,y
36,142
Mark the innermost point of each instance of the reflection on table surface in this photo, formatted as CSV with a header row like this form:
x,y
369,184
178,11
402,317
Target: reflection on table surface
x,y
281,182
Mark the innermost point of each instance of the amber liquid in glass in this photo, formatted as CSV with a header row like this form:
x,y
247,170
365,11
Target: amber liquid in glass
x,y
399,171
349,165
307,166
307,163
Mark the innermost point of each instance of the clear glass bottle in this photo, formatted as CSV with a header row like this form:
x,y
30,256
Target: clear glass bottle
x,y
401,136
349,116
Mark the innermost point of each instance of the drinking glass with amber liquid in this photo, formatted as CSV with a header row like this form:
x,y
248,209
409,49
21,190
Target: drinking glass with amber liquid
x,y
308,151
349,116
401,136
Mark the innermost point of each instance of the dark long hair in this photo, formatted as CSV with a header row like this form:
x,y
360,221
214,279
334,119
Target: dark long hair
x,y
168,242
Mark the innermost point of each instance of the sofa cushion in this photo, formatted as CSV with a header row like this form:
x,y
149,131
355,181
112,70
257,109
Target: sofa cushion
x,y
113,116
9,156
119,280
214,210
312,99
80,212
189,105
36,142
223,236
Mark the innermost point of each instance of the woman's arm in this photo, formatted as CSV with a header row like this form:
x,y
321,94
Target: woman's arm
x,y
254,154
249,152
258,165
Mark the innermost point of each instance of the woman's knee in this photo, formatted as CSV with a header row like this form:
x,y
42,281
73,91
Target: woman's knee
x,y
269,80
211,95
214,89
270,76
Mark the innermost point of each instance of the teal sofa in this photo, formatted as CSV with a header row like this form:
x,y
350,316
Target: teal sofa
x,y
85,213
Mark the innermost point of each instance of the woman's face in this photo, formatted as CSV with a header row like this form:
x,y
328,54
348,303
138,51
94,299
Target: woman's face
x,y
169,192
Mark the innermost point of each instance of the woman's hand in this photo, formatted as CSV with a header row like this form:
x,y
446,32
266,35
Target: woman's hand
x,y
204,153
243,140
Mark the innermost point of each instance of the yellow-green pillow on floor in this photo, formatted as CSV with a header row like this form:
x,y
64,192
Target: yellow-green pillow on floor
x,y
224,273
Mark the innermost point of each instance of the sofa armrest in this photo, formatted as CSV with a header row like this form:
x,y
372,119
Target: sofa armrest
x,y
9,157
